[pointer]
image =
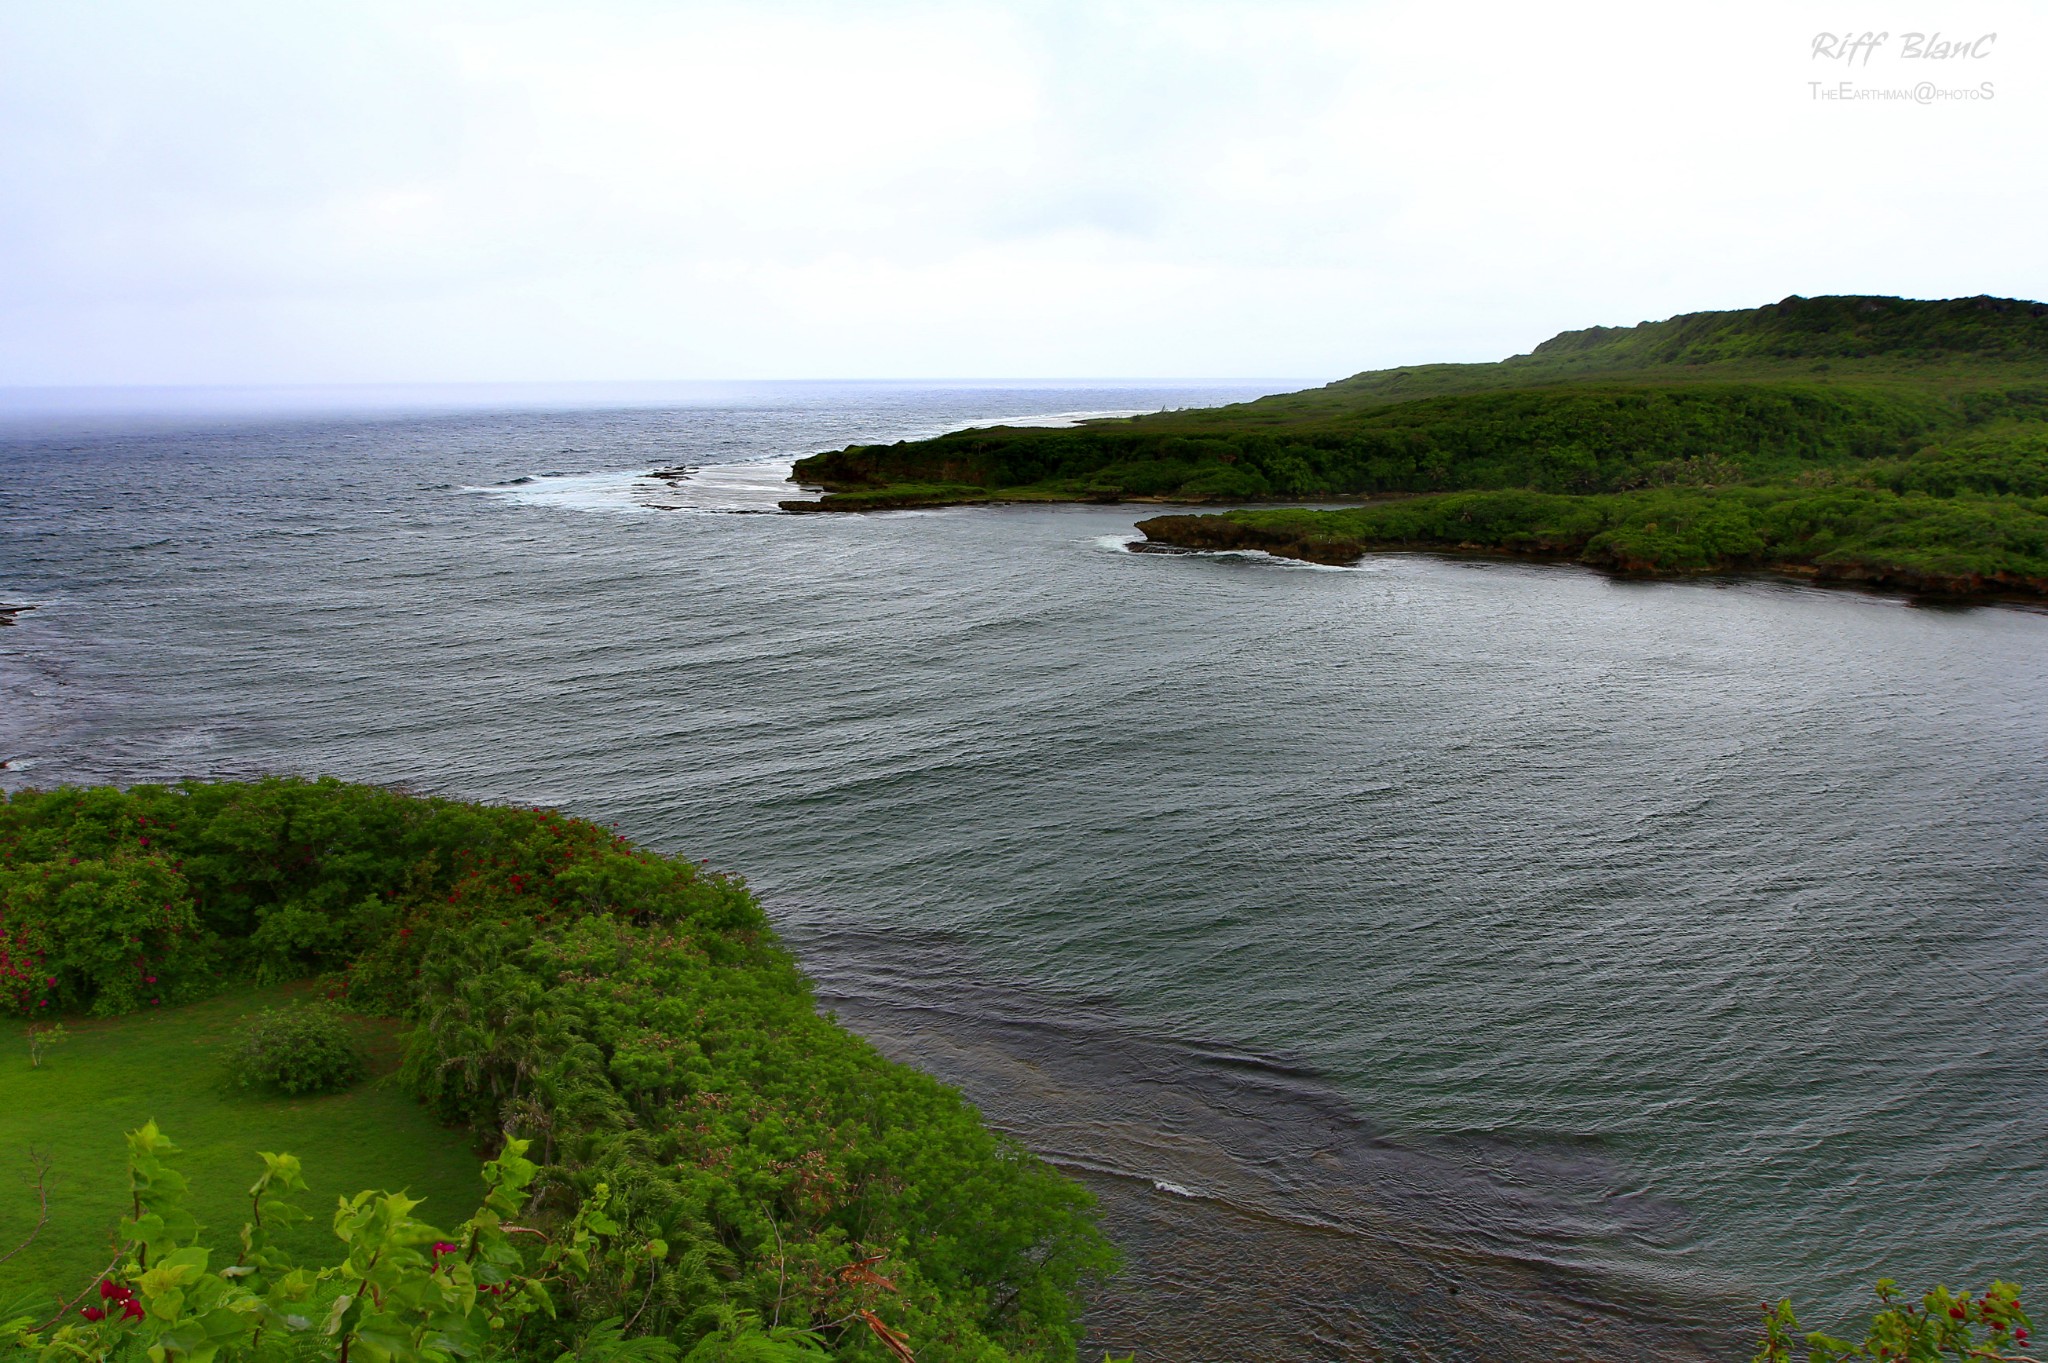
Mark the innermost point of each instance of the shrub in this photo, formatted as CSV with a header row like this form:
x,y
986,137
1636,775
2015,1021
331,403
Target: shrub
x,y
306,1049
631,1014
1990,1327
101,934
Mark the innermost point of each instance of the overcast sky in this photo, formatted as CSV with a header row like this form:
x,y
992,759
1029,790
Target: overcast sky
x,y
201,192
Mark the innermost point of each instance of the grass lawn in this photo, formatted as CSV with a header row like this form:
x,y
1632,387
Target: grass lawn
x,y
112,1075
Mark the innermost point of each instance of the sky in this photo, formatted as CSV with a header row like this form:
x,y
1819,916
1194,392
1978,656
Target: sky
x,y
437,191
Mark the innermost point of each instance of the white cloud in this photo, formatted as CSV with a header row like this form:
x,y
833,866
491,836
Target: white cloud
x,y
448,191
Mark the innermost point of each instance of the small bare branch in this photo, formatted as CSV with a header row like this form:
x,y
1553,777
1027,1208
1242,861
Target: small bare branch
x,y
37,1178
97,1279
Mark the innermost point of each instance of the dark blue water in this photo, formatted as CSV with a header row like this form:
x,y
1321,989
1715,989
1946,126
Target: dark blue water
x,y
1616,953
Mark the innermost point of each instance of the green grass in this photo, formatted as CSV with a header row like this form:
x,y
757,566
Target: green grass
x,y
112,1075
632,1013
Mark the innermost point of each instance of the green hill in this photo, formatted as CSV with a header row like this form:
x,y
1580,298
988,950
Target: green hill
x,y
1887,400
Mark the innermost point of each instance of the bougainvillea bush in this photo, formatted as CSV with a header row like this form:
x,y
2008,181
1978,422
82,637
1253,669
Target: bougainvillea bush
x,y
630,1015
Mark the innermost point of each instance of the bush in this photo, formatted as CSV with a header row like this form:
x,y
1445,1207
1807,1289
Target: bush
x,y
631,1014
1939,1327
311,1048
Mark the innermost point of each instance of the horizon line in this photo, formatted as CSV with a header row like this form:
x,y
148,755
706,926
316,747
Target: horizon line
x,y
27,404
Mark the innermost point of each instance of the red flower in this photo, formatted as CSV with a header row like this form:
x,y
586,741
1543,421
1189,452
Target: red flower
x,y
93,1313
132,1311
108,1291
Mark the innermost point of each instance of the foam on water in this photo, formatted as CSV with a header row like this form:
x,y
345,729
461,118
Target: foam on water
x,y
607,491
754,486
1257,558
742,486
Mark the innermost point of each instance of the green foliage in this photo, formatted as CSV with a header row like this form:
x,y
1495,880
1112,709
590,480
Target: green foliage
x,y
41,1037
1990,1328
401,1291
1581,438
307,1048
1871,395
115,1073
741,1338
1907,540
676,1055
633,1017
1818,328
108,933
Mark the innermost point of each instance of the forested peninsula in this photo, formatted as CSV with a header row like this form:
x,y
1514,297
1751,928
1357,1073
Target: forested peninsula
x,y
1888,441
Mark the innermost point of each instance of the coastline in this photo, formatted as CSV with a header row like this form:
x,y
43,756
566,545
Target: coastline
x,y
1261,1215
1224,533
896,498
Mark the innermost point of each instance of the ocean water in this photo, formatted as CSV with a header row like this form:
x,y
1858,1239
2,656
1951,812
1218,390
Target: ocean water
x,y
1425,959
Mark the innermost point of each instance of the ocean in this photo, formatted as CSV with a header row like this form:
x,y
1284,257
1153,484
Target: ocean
x,y
1426,959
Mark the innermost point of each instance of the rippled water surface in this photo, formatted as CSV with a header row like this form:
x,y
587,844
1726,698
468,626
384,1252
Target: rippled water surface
x,y
1423,959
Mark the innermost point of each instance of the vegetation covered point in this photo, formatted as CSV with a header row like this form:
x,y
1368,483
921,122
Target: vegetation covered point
x,y
1858,535
631,1015
1945,400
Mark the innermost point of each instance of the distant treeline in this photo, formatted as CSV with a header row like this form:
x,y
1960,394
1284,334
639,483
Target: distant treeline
x,y
1846,413
1576,439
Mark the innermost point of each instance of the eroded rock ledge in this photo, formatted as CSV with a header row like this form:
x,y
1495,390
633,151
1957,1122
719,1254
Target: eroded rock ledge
x,y
1214,533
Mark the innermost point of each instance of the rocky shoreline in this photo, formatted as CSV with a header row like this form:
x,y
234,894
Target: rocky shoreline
x,y
1217,533
844,502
